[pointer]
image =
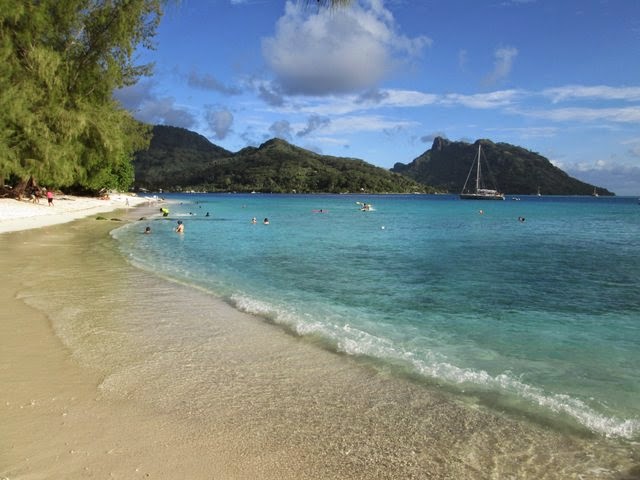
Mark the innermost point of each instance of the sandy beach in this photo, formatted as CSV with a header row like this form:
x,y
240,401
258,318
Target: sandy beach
x,y
23,215
86,395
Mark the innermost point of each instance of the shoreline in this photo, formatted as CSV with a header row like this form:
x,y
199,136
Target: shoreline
x,y
18,215
89,396
55,422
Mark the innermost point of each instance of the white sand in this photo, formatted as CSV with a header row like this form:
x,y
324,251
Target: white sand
x,y
23,215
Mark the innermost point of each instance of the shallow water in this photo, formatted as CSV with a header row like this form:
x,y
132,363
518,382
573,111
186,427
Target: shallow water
x,y
542,313
285,402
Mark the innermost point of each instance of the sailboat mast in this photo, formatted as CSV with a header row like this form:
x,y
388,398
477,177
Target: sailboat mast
x,y
478,171
482,192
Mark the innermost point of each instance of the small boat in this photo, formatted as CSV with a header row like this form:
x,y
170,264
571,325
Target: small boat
x,y
595,193
479,192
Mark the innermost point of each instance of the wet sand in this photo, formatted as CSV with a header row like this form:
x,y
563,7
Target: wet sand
x,y
96,385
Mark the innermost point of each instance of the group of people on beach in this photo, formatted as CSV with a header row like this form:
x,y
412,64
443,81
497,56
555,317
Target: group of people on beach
x,y
35,196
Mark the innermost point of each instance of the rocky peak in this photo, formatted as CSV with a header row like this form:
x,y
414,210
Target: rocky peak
x,y
439,143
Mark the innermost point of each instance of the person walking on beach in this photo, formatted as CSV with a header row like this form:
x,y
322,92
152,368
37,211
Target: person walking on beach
x,y
50,197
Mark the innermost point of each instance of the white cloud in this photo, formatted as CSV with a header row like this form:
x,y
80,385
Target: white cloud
x,y
372,96
618,115
527,132
220,122
347,104
619,178
270,96
314,122
332,141
209,82
635,151
409,98
597,92
145,106
164,111
365,123
499,98
504,58
281,129
325,52
510,100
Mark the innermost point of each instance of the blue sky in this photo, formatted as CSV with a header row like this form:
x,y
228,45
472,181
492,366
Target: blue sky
x,y
380,79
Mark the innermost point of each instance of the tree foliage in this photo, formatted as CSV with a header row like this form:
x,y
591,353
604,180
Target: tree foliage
x,y
60,62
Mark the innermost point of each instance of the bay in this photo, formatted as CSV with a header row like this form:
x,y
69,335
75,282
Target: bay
x,y
540,317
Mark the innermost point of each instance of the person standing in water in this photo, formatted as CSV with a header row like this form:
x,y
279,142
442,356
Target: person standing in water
x,y
180,227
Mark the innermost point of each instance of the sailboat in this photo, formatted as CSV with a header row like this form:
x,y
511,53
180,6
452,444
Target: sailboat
x,y
479,192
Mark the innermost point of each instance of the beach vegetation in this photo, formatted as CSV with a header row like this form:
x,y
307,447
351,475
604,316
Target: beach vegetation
x,y
60,63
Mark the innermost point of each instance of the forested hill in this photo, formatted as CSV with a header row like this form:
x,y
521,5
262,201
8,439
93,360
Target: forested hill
x,y
179,159
515,170
175,157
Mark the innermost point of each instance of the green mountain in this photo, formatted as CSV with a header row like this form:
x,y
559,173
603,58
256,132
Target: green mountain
x,y
514,170
175,157
179,160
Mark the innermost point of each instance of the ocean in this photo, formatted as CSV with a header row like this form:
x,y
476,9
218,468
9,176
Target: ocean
x,y
529,306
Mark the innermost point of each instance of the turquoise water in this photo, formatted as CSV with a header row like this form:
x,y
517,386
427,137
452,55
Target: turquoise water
x,y
540,316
